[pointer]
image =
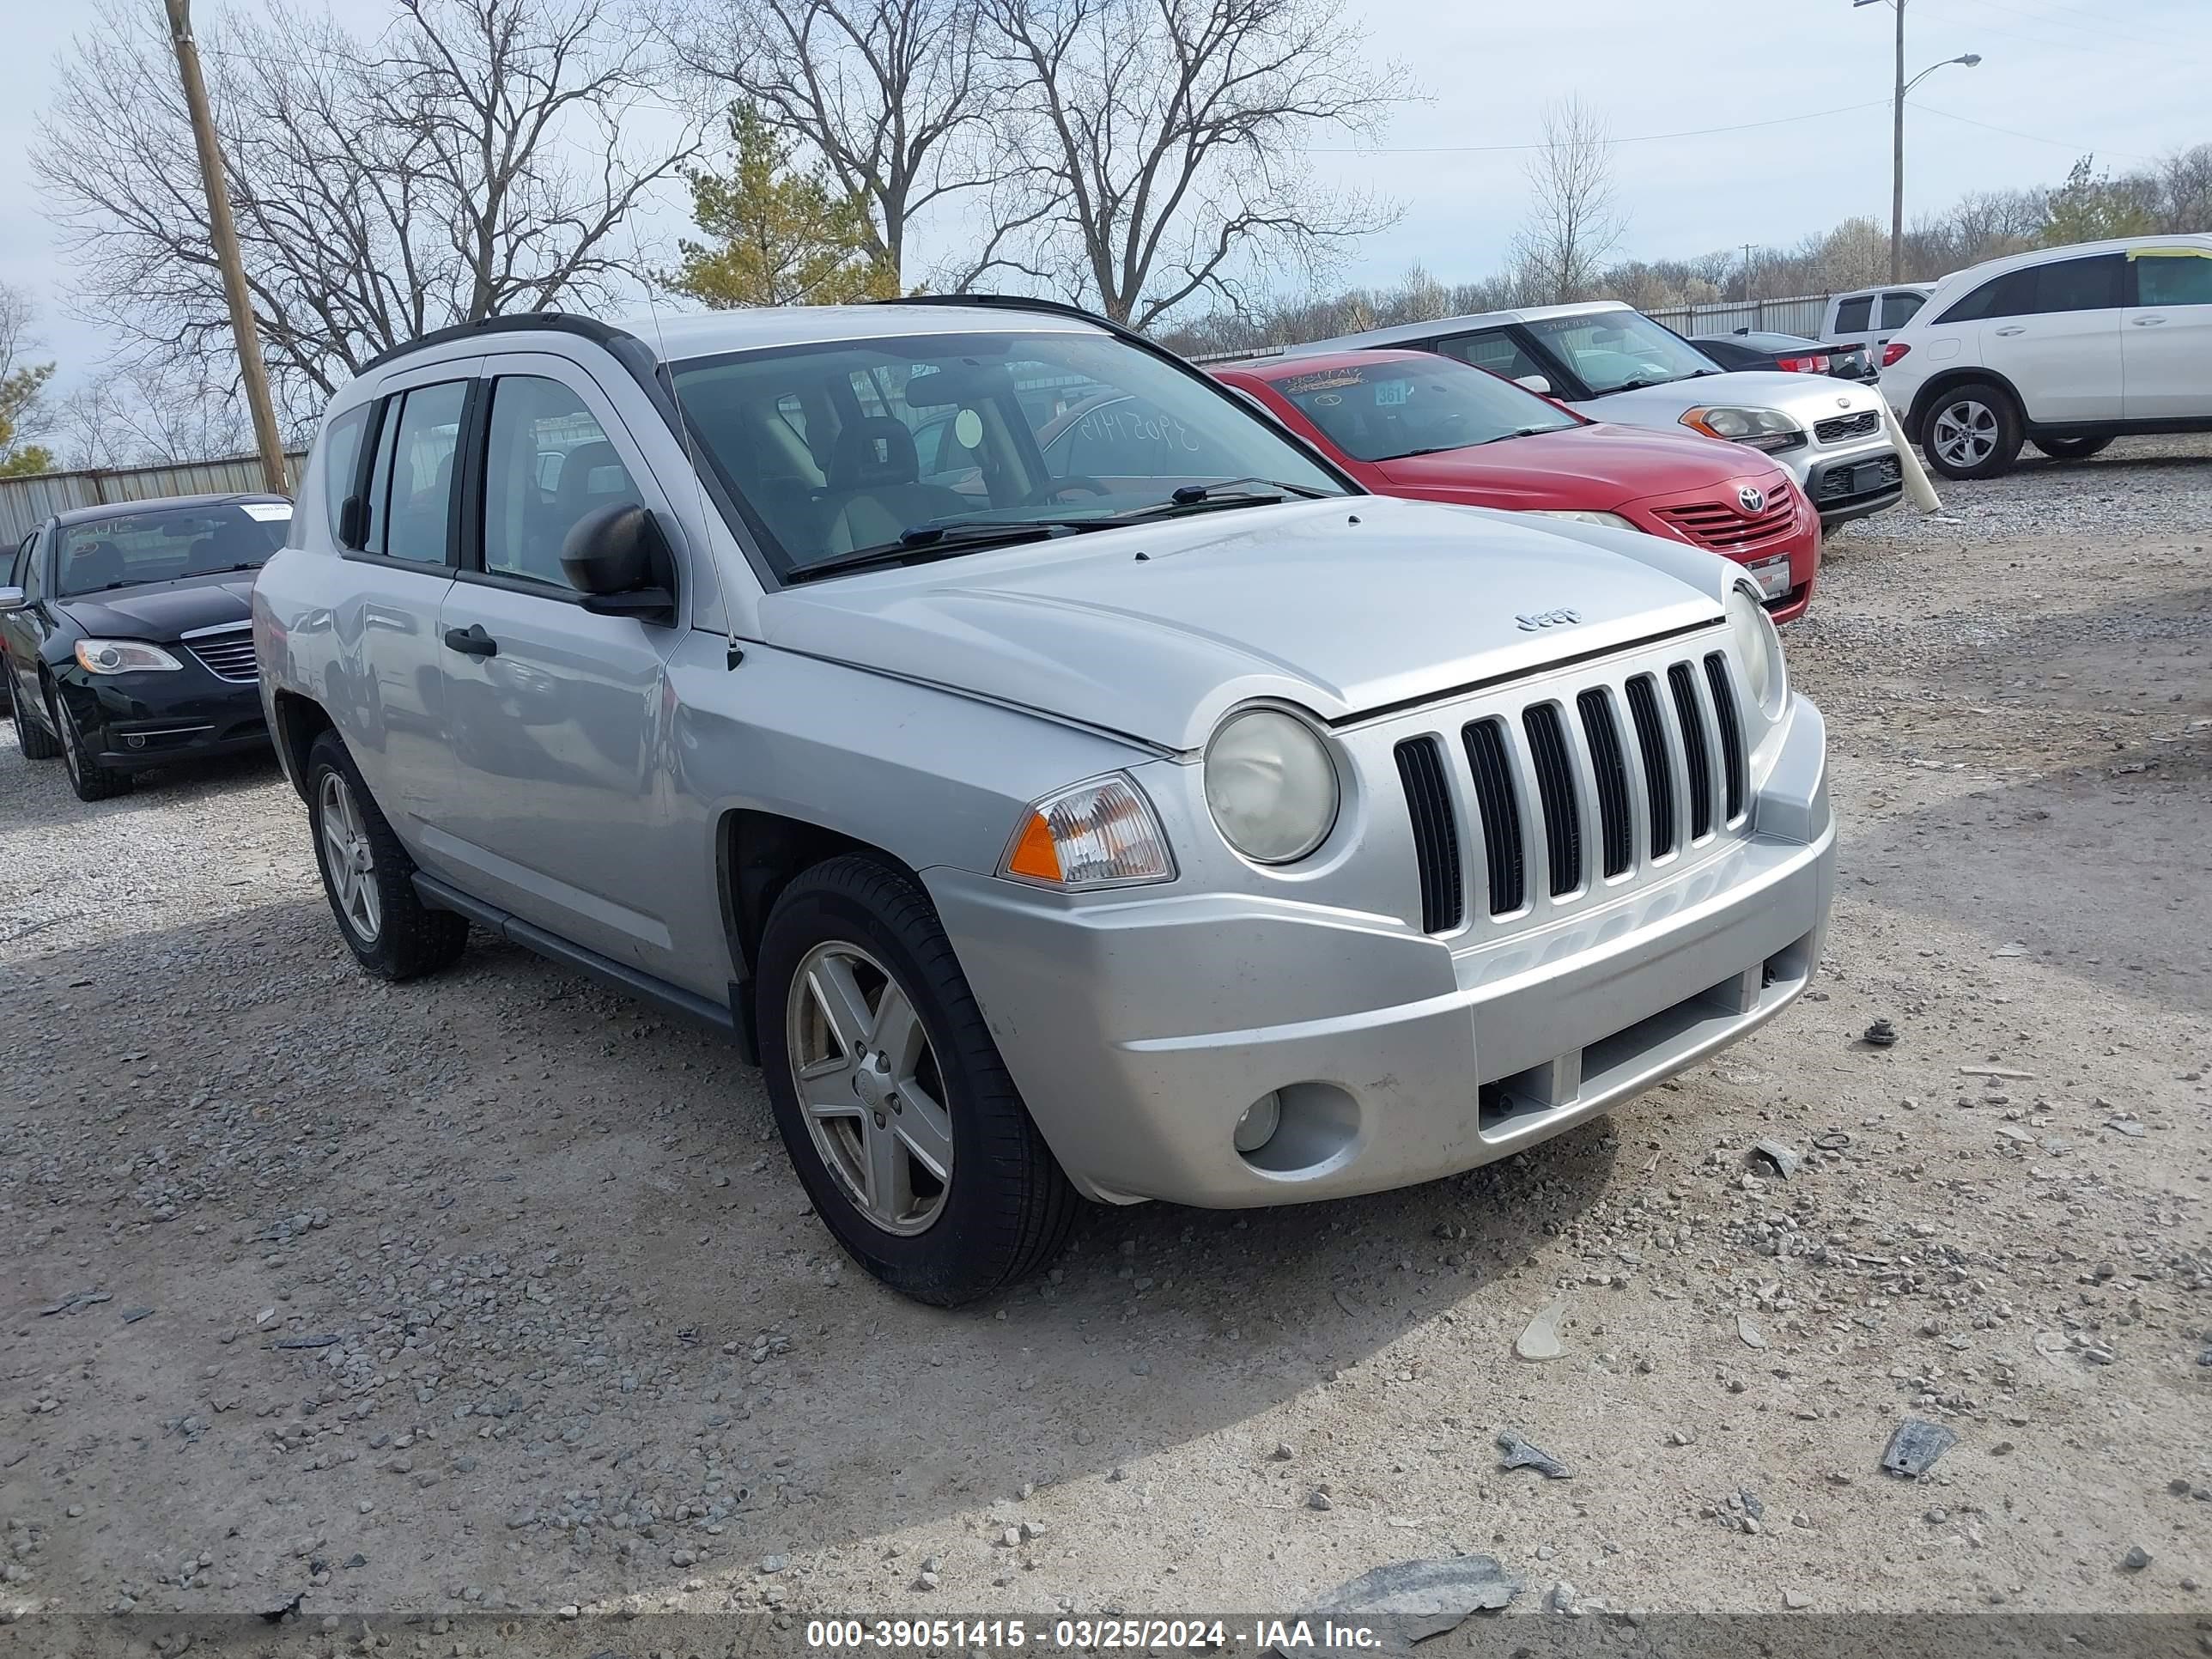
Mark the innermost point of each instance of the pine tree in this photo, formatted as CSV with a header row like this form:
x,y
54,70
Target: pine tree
x,y
780,236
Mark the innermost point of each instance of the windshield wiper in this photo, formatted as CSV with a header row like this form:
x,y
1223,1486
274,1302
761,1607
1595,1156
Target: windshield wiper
x,y
921,542
1190,495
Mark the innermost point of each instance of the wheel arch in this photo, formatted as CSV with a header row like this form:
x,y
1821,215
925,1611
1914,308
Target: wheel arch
x,y
1938,387
299,721
757,854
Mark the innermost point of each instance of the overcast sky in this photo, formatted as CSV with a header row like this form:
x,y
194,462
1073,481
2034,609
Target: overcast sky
x,y
2125,78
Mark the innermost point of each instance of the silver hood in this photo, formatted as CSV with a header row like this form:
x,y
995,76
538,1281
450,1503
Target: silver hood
x,y
1805,397
1342,607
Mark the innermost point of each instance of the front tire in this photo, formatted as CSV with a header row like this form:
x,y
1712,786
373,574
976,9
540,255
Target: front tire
x,y
894,1103
2069,449
33,738
90,780
1972,431
368,876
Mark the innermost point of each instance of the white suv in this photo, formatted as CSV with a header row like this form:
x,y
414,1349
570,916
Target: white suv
x,y
1869,316
2065,347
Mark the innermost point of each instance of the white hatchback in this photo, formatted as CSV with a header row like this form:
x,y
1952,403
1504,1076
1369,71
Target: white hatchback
x,y
2065,347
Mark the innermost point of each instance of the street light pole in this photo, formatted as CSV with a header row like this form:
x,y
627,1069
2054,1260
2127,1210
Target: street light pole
x,y
222,230
1897,160
1897,134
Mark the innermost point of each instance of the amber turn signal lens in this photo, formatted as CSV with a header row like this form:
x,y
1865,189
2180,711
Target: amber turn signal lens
x,y
1033,855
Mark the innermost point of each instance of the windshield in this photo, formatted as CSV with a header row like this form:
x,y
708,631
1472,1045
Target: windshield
x,y
835,448
1615,350
163,545
1386,411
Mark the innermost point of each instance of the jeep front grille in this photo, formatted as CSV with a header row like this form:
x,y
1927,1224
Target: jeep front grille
x,y
1435,839
1560,779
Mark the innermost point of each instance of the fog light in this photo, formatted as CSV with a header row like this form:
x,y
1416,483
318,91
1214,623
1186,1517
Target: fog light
x,y
1257,1127
135,741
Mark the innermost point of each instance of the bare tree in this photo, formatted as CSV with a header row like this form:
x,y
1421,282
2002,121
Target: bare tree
x,y
23,410
143,414
1159,145
469,161
894,95
1576,219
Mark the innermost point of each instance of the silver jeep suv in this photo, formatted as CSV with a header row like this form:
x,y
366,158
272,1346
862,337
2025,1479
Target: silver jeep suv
x,y
1060,780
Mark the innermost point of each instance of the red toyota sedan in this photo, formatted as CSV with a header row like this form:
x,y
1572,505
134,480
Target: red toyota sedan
x,y
1414,423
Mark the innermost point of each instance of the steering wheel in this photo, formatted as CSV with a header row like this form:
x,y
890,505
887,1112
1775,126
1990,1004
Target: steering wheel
x,y
1049,491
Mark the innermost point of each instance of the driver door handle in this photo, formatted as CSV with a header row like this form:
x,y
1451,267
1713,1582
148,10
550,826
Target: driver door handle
x,y
2014,329
471,641
2146,322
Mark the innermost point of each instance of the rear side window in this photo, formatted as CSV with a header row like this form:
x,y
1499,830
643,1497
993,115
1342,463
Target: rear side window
x,y
1854,315
411,490
1501,353
341,463
549,464
1899,309
2090,284
2164,280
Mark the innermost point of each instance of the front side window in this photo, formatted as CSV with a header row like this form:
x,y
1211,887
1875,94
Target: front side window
x,y
167,544
949,441
1855,316
1388,411
1620,350
2165,280
411,491
2090,284
549,464
2001,297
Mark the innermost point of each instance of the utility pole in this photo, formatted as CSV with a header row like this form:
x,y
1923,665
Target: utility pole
x,y
1746,271
223,230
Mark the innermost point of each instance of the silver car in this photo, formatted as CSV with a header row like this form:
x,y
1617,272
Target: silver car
x,y
1611,362
1123,806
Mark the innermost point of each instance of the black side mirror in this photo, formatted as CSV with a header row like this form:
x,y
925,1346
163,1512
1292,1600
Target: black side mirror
x,y
619,558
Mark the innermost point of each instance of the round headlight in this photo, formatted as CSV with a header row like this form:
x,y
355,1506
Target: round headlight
x,y
1271,786
1758,647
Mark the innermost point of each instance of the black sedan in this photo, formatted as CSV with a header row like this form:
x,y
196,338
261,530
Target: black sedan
x,y
1792,353
126,638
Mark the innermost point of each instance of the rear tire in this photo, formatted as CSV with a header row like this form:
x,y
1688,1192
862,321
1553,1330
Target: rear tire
x,y
2069,449
368,876
90,780
1972,431
33,738
859,991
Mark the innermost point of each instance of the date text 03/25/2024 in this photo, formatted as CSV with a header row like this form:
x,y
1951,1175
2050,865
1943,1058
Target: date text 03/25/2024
x,y
1287,1636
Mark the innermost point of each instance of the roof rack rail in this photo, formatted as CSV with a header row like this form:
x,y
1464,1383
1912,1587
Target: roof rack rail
x,y
556,322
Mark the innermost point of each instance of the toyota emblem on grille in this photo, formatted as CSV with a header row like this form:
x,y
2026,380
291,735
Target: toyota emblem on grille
x,y
1561,618
1751,499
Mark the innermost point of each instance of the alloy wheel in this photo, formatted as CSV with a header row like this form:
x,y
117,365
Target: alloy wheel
x,y
869,1087
349,858
1964,433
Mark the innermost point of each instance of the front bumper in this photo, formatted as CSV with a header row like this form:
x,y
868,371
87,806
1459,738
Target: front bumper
x,y
128,721
1141,1030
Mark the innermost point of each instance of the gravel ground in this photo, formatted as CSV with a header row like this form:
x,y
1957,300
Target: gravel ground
x,y
496,1292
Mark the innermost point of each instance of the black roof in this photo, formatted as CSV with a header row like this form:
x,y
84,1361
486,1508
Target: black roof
x,y
159,503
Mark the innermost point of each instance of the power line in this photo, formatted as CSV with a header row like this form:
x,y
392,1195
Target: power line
x,y
2036,137
1638,138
